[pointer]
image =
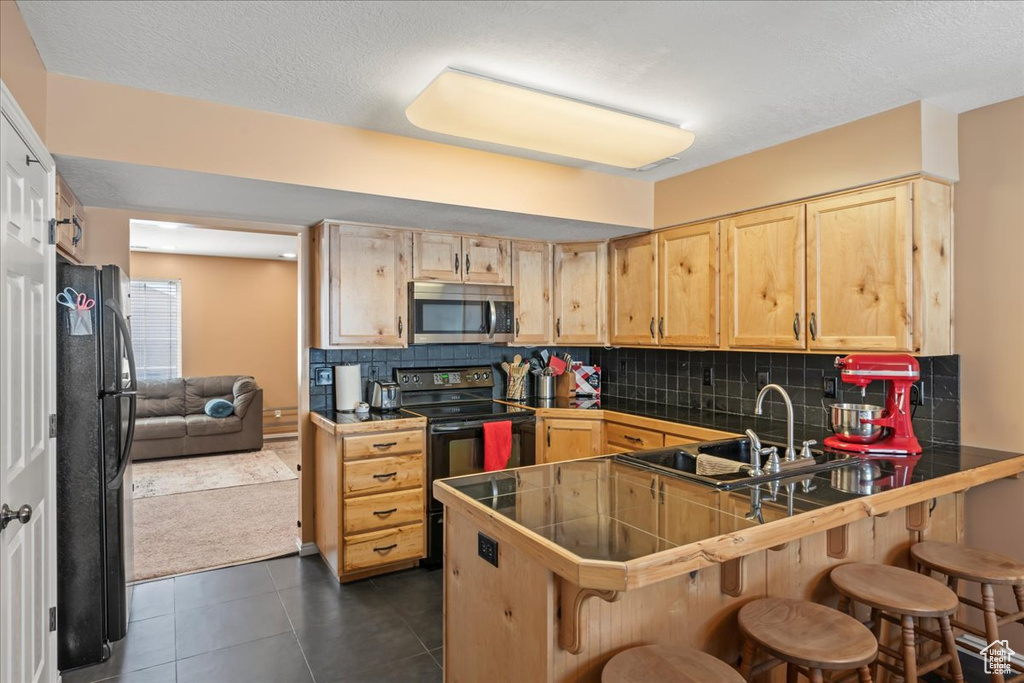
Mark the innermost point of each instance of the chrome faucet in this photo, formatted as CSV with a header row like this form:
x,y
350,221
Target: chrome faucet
x,y
790,450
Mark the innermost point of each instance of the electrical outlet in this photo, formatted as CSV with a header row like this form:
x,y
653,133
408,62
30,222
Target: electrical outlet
x,y
374,372
324,376
623,366
763,378
487,548
917,393
829,387
709,377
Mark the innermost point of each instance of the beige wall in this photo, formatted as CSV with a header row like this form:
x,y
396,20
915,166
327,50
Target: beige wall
x,y
910,139
106,237
21,68
238,316
989,325
116,123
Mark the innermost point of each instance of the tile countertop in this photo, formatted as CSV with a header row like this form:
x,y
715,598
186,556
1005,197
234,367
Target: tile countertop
x,y
575,513
345,423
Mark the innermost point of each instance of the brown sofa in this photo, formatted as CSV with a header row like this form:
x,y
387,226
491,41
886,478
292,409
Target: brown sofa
x,y
171,421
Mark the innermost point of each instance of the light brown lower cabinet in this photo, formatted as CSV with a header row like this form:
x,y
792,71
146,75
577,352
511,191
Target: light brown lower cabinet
x,y
370,501
568,439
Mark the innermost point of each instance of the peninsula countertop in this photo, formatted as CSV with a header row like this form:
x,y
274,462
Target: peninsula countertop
x,y
594,522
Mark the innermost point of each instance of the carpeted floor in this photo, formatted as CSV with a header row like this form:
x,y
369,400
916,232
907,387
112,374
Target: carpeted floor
x,y
193,530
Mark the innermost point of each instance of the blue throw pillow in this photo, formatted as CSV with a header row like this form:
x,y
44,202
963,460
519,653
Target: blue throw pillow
x,y
218,407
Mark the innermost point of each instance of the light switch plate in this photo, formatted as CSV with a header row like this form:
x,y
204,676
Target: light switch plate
x,y
324,376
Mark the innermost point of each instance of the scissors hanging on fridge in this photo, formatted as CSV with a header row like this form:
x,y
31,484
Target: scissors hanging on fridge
x,y
74,300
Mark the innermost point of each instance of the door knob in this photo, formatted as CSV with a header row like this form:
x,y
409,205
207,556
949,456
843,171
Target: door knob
x,y
7,515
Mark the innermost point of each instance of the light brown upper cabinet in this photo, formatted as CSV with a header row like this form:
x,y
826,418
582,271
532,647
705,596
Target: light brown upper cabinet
x,y
361,294
688,286
633,294
487,260
580,293
437,256
763,273
70,229
531,278
455,258
859,262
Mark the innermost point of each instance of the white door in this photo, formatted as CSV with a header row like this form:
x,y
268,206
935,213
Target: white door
x,y
27,397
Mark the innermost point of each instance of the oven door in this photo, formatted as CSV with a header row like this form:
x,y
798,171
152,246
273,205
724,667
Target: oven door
x,y
446,313
457,448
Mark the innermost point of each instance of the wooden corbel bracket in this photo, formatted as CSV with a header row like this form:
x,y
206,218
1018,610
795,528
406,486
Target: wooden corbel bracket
x,y
571,627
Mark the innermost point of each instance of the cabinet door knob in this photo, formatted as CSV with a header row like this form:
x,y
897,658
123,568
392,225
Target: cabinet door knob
x,y
385,548
456,263
661,327
814,328
558,327
467,263
517,327
385,513
796,325
652,328
385,476
549,436
400,326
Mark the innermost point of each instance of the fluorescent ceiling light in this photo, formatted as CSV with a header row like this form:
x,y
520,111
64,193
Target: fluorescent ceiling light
x,y
287,255
168,247
478,108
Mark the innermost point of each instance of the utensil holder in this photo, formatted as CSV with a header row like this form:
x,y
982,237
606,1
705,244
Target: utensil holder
x,y
515,386
546,386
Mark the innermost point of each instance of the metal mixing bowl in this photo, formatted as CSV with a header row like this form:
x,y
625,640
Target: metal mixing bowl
x,y
845,419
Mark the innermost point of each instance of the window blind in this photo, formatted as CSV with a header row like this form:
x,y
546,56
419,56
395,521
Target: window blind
x,y
156,328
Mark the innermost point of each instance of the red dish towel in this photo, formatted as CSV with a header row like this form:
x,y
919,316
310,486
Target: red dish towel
x,y
497,444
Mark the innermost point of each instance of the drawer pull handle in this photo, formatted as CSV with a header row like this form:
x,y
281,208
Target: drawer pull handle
x,y
385,513
385,445
385,548
634,439
385,476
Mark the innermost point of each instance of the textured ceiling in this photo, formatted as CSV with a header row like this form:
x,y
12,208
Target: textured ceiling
x,y
156,236
741,75
160,190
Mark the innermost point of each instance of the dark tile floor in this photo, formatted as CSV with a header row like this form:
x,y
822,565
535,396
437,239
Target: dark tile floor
x,y
280,621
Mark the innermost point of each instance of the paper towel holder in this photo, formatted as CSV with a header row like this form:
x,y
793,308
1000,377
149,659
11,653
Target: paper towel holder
x,y
348,387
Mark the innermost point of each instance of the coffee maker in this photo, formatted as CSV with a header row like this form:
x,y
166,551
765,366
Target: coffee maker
x,y
900,371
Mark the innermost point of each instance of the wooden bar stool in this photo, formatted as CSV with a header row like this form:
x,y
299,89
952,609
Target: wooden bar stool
x,y
809,638
979,566
671,665
901,596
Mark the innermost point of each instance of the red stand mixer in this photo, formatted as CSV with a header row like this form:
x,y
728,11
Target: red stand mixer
x,y
868,429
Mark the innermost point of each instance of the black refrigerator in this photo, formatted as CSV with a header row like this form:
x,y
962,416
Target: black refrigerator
x,y
96,384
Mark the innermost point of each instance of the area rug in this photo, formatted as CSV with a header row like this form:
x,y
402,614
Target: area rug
x,y
194,514
204,473
189,532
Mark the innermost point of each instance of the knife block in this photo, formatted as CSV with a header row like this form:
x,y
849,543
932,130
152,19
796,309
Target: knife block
x,y
565,384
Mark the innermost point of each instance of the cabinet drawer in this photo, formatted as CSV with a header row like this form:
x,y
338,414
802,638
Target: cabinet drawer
x,y
383,547
387,509
633,438
384,443
377,475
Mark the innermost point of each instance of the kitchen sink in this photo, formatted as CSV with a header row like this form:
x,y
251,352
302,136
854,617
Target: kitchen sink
x,y
681,461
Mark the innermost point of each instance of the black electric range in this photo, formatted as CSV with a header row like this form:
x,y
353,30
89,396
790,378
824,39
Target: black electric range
x,y
457,402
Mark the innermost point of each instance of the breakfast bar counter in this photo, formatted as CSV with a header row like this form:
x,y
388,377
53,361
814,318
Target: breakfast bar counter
x,y
595,555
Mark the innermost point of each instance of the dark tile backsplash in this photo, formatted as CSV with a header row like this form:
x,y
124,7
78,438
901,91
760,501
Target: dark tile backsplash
x,y
676,378
380,363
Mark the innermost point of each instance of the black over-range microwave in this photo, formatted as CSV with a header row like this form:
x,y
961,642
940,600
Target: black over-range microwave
x,y
443,313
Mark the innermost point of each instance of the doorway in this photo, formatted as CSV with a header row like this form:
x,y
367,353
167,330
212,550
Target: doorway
x,y
215,321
